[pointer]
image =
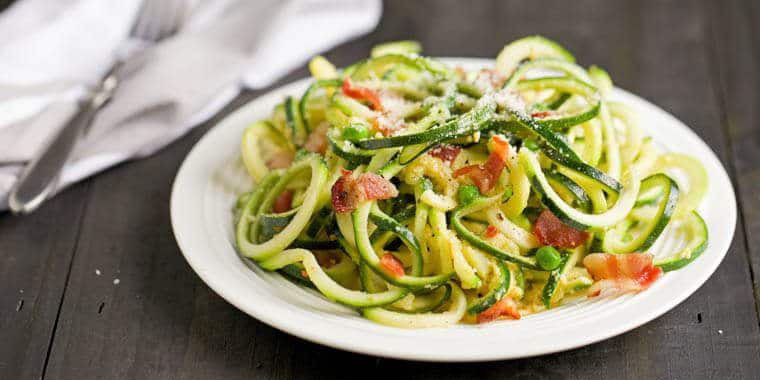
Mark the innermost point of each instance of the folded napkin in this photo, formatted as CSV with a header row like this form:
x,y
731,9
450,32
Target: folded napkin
x,y
51,51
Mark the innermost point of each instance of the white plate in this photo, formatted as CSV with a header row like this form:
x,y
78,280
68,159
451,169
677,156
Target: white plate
x,y
212,176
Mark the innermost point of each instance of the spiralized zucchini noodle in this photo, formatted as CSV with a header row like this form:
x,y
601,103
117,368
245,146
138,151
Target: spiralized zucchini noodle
x,y
426,195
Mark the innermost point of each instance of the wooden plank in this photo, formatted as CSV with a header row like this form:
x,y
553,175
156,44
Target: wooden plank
x,y
735,55
35,253
162,322
144,324
35,256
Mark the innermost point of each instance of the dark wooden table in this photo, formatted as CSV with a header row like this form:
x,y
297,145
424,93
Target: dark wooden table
x,y
61,320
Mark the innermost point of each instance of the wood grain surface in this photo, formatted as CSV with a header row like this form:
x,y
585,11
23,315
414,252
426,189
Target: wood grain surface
x,y
62,316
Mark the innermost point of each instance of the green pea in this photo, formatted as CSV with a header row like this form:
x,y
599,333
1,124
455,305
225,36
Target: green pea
x,y
548,258
468,194
355,132
531,144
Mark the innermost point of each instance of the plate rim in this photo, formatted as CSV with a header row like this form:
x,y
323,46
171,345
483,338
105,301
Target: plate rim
x,y
183,233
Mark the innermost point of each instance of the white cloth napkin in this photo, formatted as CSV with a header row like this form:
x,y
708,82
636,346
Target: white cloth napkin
x,y
52,50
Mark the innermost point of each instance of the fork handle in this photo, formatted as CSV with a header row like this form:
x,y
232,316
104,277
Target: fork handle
x,y
41,175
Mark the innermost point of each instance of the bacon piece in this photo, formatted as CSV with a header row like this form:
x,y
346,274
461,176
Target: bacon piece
x,y
620,273
376,187
283,202
280,160
551,231
491,231
317,140
392,265
348,192
485,175
344,193
505,307
362,93
445,152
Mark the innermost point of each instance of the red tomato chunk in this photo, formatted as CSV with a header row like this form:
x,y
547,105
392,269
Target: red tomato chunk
x,y
506,307
392,265
362,93
621,273
491,231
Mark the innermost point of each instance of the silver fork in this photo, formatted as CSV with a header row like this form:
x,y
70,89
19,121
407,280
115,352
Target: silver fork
x,y
156,20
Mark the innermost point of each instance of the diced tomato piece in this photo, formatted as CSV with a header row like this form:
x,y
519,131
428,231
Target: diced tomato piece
x,y
602,266
500,146
376,187
505,307
362,93
280,160
491,231
649,276
392,265
541,114
283,202
638,266
317,140
609,266
445,152
348,192
304,274
551,231
621,273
